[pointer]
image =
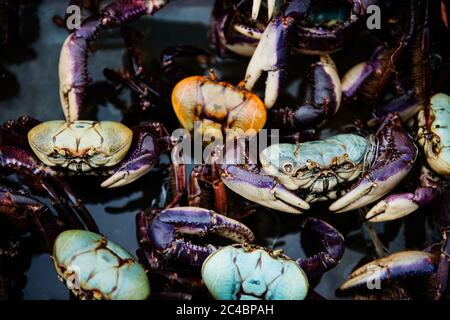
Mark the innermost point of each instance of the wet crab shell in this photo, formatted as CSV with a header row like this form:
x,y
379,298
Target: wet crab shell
x,y
80,145
310,164
218,105
436,142
249,273
95,268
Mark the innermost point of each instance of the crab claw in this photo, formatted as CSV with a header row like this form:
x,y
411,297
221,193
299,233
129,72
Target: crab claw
x,y
273,50
396,155
73,67
396,266
147,147
332,244
399,205
73,74
270,8
166,230
264,190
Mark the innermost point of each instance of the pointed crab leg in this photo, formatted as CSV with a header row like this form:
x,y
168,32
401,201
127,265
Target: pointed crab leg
x,y
273,50
399,205
396,155
24,164
73,67
394,267
442,217
333,244
22,210
166,229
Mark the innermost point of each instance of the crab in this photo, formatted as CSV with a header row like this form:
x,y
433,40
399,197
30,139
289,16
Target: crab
x,y
351,169
58,148
208,108
249,272
95,268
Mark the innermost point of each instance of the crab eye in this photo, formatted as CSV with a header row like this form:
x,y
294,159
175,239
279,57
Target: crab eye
x,y
288,167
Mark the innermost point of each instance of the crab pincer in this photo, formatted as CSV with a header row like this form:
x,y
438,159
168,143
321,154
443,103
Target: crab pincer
x,y
73,65
332,248
149,141
395,158
166,229
262,189
394,267
273,50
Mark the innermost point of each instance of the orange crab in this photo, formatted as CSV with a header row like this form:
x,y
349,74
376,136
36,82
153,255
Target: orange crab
x,y
218,106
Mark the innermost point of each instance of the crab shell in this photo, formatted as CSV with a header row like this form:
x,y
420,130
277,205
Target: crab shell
x,y
218,105
436,141
249,273
317,165
95,268
80,145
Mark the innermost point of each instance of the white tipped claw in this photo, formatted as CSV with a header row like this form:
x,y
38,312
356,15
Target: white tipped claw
x,y
124,177
392,208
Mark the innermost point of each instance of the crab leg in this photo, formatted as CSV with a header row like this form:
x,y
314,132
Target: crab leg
x,y
167,227
442,217
73,71
399,205
149,142
207,174
23,163
396,155
393,267
273,50
19,208
333,248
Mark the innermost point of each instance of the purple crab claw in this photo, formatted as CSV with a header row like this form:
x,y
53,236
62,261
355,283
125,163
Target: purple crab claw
x,y
273,50
149,142
357,75
264,190
167,228
332,244
396,155
73,66
73,74
394,267
399,205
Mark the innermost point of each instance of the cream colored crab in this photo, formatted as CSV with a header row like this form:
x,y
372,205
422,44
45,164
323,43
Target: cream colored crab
x,y
436,141
80,146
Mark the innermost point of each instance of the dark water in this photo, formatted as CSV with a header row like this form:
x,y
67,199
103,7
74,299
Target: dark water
x,y
35,92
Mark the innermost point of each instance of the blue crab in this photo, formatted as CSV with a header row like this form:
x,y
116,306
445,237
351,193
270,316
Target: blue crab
x,y
351,169
249,272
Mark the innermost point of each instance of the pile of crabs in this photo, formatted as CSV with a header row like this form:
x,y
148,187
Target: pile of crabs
x,y
385,166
